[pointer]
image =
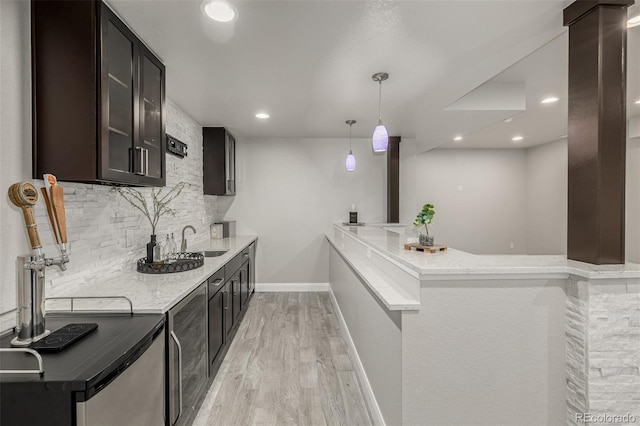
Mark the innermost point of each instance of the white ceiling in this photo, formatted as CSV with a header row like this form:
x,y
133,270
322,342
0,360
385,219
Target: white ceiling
x,y
309,64
545,74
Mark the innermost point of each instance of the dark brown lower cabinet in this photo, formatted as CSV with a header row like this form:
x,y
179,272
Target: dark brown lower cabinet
x,y
228,304
244,285
237,301
228,307
217,332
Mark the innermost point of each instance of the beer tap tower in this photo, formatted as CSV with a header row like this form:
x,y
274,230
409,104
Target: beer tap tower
x,y
31,267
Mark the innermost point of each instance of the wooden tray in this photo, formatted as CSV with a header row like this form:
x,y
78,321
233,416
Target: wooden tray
x,y
426,249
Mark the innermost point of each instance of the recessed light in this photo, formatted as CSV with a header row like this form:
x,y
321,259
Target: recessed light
x,y
550,100
457,138
633,22
262,115
508,120
517,138
638,101
219,10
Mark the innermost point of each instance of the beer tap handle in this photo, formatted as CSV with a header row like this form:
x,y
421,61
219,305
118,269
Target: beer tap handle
x,y
25,195
52,220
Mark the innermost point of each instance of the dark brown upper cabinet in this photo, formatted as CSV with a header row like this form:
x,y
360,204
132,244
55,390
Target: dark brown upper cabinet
x,y
219,161
98,97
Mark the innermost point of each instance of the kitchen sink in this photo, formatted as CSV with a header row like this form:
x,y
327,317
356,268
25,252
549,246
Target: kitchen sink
x,y
214,253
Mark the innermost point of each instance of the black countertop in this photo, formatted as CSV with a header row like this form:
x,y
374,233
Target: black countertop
x,y
91,362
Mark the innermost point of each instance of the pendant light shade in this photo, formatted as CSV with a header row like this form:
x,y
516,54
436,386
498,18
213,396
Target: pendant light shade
x,y
380,140
350,162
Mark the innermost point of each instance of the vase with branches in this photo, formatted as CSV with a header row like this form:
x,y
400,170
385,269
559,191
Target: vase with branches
x,y
153,210
423,225
159,205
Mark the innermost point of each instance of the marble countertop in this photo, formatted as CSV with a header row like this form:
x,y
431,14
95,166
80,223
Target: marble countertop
x,y
389,240
153,293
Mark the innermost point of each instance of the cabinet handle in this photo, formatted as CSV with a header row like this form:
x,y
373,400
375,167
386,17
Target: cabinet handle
x,y
226,305
245,254
146,161
234,289
175,339
140,162
217,281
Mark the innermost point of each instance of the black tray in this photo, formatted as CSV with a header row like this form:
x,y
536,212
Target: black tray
x,y
184,262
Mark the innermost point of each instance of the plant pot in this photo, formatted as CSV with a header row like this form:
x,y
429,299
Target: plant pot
x,y
425,240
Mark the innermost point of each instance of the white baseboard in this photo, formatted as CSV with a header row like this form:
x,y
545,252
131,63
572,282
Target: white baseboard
x,y
367,390
295,287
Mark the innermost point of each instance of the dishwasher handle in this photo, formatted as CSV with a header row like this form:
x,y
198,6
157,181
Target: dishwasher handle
x,y
177,342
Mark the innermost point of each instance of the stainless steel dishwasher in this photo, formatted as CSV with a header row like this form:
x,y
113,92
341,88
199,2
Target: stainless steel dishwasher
x,y
188,358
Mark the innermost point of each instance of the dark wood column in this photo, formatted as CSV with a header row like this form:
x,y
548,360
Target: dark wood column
x,y
393,180
597,130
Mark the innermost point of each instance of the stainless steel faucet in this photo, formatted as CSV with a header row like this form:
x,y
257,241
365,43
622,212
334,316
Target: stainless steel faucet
x,y
183,246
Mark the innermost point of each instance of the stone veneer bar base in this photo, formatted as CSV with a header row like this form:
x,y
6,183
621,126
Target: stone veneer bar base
x,y
603,350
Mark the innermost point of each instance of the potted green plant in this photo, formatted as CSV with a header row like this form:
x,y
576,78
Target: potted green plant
x,y
423,225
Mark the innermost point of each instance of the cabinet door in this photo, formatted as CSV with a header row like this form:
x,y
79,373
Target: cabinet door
x,y
150,148
244,285
228,307
236,297
230,163
118,106
216,325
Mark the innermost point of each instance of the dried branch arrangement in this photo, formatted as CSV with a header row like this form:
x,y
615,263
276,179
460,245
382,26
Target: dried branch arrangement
x,y
159,205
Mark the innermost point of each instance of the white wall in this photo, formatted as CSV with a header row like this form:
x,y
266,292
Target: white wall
x,y
547,199
290,191
486,353
633,201
478,194
105,233
546,190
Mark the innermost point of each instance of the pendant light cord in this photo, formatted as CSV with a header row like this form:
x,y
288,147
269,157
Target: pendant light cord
x,y
380,102
350,125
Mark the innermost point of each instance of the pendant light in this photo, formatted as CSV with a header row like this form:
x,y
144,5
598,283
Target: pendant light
x,y
350,163
380,139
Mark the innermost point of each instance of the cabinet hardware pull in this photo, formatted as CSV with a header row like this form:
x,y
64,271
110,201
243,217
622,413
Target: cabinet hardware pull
x,y
175,339
146,162
226,305
139,163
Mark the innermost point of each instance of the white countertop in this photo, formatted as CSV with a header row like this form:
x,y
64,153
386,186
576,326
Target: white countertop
x,y
155,293
462,265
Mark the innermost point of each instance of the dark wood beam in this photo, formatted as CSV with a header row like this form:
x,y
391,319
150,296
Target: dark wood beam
x,y
579,8
393,180
597,130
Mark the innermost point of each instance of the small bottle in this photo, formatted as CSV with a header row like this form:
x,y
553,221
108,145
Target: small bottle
x,y
167,249
150,246
157,253
174,246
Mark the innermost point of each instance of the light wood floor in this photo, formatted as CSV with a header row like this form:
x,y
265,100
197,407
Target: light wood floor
x,y
288,365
